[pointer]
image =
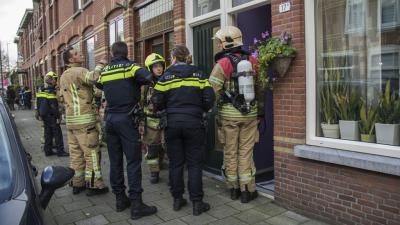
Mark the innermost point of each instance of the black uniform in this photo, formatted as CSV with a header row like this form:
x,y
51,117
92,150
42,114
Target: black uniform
x,y
28,99
48,111
121,81
186,95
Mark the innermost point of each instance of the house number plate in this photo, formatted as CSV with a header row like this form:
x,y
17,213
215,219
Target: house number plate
x,y
284,7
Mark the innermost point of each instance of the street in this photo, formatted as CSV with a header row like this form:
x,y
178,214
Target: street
x,y
68,209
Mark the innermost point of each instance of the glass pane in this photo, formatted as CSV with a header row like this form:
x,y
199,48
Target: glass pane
x,y
201,7
6,165
155,17
120,30
357,63
111,33
239,2
90,62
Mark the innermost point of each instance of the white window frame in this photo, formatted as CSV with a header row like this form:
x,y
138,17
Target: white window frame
x,y
225,14
390,25
349,27
311,110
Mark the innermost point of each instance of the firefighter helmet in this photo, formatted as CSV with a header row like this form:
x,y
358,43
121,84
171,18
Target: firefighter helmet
x,y
50,75
152,59
230,37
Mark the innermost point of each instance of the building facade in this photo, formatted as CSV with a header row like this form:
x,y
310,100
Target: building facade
x,y
347,50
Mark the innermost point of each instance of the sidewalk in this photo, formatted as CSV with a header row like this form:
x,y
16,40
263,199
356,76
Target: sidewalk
x,y
68,209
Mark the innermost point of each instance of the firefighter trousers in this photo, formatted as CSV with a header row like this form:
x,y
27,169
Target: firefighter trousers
x,y
154,151
239,138
52,130
85,157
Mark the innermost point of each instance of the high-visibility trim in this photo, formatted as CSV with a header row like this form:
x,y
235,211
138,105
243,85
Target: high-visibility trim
x,y
231,178
75,100
87,77
49,95
152,161
79,173
89,174
153,122
80,119
216,81
246,177
40,95
177,83
118,70
94,160
228,110
119,74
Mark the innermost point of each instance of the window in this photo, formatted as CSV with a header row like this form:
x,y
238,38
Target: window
x,y
116,30
51,19
60,60
74,43
55,7
155,17
389,14
240,2
350,76
77,5
89,49
202,7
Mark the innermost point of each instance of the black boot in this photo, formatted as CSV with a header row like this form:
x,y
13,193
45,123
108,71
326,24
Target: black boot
x,y
179,203
62,154
139,209
199,207
122,202
235,193
97,191
77,190
247,196
154,177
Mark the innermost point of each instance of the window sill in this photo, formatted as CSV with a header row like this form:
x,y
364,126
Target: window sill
x,y
87,4
377,163
76,14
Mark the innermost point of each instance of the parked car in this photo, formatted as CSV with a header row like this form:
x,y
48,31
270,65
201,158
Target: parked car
x,y
20,201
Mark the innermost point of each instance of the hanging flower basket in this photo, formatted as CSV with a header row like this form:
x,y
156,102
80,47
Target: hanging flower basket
x,y
281,64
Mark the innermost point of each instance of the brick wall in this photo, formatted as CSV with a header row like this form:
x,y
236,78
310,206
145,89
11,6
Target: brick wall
x,y
333,193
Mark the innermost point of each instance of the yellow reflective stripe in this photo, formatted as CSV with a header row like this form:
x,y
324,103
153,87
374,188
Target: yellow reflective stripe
x,y
94,161
216,81
75,100
246,176
119,74
50,96
81,119
166,86
88,174
41,95
228,110
152,161
122,69
153,122
87,77
231,178
79,173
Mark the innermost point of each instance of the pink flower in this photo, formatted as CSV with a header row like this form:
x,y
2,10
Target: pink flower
x,y
265,34
255,41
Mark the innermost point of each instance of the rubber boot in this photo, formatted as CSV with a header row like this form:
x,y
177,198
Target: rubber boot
x,y
199,207
122,202
139,209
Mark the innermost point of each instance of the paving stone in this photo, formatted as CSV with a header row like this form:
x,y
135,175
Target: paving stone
x,y
282,220
97,210
58,210
96,220
77,205
299,218
204,218
252,216
120,223
70,217
217,200
240,206
270,209
223,211
314,222
175,222
169,214
229,221
116,217
148,220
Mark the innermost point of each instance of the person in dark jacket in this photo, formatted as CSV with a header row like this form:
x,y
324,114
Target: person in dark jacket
x,y
48,111
121,81
28,98
186,95
11,97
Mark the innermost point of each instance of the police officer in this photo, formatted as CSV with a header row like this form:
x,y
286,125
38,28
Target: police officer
x,y
76,89
28,98
238,127
48,111
151,130
186,95
121,81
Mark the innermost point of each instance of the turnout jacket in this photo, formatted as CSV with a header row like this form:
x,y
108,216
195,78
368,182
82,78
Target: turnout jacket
x,y
152,119
47,102
185,94
121,81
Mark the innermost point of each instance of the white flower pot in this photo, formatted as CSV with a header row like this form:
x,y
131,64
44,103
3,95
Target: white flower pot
x,y
388,134
330,130
349,130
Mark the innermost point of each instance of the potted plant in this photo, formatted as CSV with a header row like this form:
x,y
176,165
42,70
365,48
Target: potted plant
x,y
275,52
330,127
348,111
388,127
368,118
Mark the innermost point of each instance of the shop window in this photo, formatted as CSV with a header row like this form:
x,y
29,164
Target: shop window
x,y
357,74
154,18
201,7
116,30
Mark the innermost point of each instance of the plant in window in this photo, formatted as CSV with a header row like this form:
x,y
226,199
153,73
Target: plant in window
x,y
328,109
388,128
275,52
348,105
368,118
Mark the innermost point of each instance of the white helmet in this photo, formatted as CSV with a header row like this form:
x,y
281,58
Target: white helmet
x,y
230,37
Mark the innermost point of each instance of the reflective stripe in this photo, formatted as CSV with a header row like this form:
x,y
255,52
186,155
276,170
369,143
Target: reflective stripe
x,y
185,82
50,96
94,160
75,100
119,74
216,81
87,77
80,119
89,174
231,178
228,110
246,177
152,161
79,173
41,95
153,122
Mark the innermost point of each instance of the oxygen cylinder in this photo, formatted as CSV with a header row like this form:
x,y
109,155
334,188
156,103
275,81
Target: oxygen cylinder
x,y
246,81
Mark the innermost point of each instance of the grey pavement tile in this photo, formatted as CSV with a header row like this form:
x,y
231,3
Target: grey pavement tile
x,y
116,216
148,220
169,214
154,196
270,209
97,210
96,220
299,218
57,210
252,216
70,217
75,205
241,206
120,223
314,222
282,220
204,218
174,222
229,221
217,200
222,211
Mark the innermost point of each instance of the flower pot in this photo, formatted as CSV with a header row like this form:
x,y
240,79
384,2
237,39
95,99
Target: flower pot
x,y
368,138
281,64
388,134
330,130
349,130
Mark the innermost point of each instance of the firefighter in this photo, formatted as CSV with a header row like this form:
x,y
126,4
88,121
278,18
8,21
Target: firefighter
x,y
237,114
48,111
121,80
186,95
76,90
151,130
